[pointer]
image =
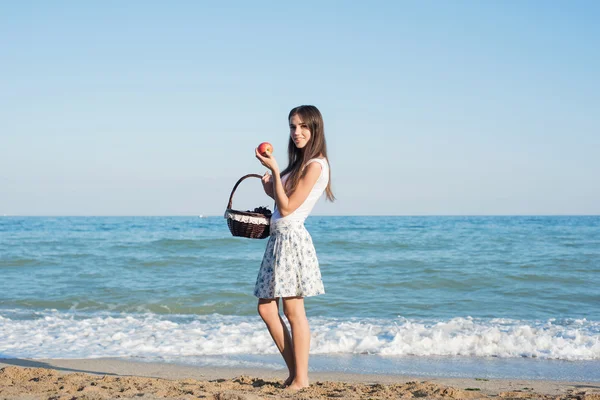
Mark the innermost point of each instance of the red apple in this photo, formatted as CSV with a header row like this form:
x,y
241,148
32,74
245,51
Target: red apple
x,y
265,148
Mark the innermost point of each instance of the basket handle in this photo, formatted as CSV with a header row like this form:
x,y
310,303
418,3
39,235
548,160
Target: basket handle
x,y
238,183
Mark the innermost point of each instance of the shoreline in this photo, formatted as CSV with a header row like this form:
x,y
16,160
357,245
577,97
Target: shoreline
x,y
252,382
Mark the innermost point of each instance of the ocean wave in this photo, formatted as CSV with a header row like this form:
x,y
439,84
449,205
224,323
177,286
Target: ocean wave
x,y
54,334
193,244
21,262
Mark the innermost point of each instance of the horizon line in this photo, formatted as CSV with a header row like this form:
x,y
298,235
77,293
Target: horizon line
x,y
315,215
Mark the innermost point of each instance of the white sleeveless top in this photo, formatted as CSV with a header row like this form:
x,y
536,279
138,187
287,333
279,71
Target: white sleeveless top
x,y
315,194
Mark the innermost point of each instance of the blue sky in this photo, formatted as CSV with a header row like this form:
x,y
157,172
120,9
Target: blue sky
x,y
430,108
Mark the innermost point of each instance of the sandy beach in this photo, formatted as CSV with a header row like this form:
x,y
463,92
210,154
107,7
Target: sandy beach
x,y
115,378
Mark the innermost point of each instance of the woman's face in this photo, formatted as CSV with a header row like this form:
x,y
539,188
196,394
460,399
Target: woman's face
x,y
299,131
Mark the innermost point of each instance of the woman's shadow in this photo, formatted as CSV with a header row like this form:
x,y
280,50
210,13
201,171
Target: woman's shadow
x,y
19,362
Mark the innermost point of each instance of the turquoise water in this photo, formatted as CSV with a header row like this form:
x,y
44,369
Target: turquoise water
x,y
181,288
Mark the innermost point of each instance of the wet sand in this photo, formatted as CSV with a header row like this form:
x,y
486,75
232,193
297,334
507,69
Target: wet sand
x,y
116,378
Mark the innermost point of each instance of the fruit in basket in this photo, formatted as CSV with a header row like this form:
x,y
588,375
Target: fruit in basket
x,y
265,148
261,210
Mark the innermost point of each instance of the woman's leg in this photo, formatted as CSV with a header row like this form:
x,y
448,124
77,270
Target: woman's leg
x,y
268,309
293,308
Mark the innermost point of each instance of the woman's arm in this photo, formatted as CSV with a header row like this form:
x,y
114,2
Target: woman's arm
x,y
267,182
288,204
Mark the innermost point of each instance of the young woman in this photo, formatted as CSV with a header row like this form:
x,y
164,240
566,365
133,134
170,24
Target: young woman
x,y
290,269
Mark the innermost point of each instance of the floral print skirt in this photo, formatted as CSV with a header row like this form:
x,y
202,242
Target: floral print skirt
x,y
289,267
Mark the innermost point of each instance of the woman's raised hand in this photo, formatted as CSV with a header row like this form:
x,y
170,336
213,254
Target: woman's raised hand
x,y
268,161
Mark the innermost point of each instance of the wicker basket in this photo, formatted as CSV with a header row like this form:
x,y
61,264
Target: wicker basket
x,y
244,223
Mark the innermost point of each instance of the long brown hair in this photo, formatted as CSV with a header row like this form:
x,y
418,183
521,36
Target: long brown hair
x,y
315,147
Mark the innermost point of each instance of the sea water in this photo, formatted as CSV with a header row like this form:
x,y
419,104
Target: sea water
x,y
429,296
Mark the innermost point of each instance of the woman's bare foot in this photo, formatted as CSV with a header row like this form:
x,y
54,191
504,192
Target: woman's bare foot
x,y
297,385
289,380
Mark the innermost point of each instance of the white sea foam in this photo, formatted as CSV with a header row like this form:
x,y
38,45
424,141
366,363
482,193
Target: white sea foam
x,y
54,334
